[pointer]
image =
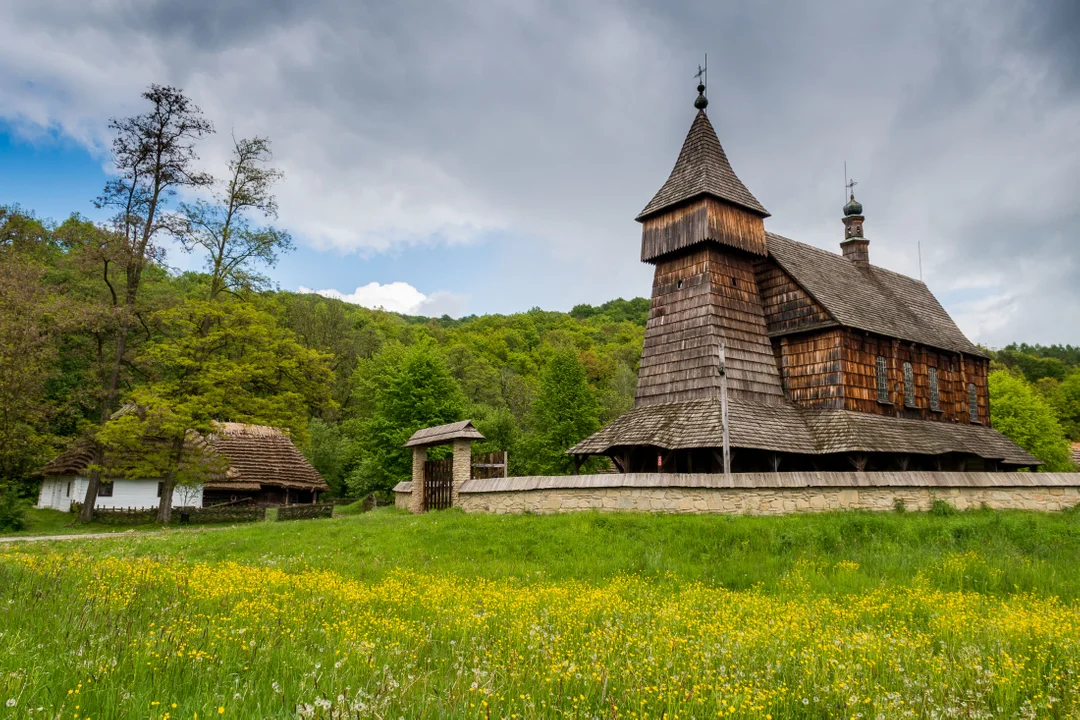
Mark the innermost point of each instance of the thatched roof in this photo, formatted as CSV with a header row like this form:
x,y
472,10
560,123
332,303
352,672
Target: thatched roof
x,y
442,434
793,429
253,455
870,298
262,455
702,169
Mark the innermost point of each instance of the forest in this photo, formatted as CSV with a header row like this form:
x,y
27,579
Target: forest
x,y
94,323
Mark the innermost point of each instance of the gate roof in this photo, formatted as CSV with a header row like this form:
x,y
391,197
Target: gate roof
x,y
442,434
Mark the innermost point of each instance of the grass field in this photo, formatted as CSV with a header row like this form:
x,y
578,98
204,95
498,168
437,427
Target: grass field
x,y
387,615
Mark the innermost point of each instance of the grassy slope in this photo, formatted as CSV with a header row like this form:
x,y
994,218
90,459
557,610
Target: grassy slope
x,y
1028,552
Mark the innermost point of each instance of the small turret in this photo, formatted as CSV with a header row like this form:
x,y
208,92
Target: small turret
x,y
855,247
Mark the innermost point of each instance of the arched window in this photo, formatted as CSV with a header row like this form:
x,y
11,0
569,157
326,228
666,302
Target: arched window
x,y
882,380
909,385
935,397
973,403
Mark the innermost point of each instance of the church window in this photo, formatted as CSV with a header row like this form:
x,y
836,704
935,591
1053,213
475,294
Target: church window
x,y
973,403
882,380
909,385
935,395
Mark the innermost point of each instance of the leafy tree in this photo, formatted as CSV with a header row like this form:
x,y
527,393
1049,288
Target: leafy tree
x,y
154,156
27,345
213,361
1022,415
1066,402
329,452
564,412
399,391
223,228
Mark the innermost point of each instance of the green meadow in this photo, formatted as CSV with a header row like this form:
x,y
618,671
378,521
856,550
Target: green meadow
x,y
389,615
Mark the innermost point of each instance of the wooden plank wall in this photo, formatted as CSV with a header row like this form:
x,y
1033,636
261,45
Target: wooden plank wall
x,y
699,300
860,352
698,221
811,366
787,306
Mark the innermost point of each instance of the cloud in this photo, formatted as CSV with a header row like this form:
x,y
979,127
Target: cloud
x,y
399,297
543,128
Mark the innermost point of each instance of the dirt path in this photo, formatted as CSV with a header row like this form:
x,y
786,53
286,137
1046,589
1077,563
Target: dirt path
x,y
100,535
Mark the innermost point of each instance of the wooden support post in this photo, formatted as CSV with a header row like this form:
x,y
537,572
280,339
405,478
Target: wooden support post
x,y
618,464
577,464
724,409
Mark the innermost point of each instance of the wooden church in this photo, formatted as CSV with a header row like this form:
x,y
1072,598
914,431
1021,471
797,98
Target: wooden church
x,y
831,363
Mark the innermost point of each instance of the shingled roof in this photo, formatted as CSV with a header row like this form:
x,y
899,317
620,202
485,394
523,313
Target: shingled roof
x,y
254,455
790,428
702,169
441,434
870,298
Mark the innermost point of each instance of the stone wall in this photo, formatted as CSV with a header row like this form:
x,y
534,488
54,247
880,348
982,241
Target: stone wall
x,y
765,501
761,493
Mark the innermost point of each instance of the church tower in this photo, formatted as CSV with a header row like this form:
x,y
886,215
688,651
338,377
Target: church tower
x,y
703,231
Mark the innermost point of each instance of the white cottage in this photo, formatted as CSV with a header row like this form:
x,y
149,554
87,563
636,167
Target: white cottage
x,y
262,466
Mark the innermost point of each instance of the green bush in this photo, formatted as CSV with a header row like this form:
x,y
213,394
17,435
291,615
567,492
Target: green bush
x,y
12,510
940,508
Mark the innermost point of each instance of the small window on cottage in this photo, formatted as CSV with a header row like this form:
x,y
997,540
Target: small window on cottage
x,y
909,385
882,380
104,489
160,488
973,403
69,489
935,396
734,282
678,285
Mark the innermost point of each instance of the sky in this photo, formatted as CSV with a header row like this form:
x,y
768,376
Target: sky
x,y
479,157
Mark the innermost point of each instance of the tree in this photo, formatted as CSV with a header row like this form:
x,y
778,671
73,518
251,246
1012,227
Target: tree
x,y
399,391
223,228
1023,416
27,345
154,156
213,361
565,411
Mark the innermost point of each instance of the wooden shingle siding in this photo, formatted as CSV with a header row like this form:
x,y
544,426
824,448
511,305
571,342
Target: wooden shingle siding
x,y
717,302
704,219
787,306
812,368
954,371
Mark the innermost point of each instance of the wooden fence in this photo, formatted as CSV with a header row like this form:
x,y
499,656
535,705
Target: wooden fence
x,y
221,514
305,512
489,465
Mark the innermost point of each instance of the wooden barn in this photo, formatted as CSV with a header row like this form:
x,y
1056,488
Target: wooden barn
x,y
832,363
252,464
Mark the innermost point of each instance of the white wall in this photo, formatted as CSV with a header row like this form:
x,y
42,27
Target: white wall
x,y
126,494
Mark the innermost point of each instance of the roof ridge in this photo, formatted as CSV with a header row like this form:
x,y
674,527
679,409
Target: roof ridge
x,y
830,253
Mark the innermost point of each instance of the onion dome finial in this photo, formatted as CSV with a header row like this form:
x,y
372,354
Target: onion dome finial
x,y
701,102
853,207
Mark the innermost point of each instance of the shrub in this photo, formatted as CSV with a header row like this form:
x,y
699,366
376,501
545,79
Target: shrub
x,y
940,508
12,510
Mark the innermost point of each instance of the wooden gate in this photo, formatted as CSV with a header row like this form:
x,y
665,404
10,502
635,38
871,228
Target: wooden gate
x,y
438,483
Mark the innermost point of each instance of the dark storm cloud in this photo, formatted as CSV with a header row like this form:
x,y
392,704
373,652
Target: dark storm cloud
x,y
549,126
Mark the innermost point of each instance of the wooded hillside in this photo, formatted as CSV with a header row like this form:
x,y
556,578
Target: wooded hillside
x,y
92,321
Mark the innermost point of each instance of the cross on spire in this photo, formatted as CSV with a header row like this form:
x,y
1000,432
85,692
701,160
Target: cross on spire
x,y
851,188
702,76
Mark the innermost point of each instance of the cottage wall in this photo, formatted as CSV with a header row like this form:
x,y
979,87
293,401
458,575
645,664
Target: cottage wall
x,y
59,492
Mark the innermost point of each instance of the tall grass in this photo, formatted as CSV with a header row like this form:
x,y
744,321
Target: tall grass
x,y
445,615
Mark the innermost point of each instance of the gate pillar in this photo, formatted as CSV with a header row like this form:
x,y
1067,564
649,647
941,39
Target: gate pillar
x,y
419,457
462,467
